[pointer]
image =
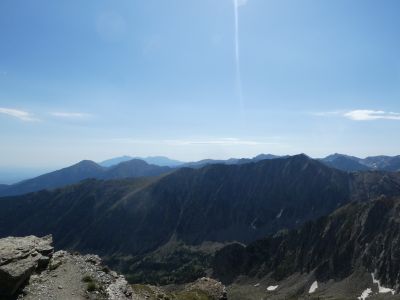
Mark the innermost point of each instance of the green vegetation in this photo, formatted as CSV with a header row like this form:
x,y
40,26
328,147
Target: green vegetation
x,y
179,266
87,278
91,283
152,293
91,286
192,295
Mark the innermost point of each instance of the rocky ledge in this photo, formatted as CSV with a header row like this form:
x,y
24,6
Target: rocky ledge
x,y
20,258
29,269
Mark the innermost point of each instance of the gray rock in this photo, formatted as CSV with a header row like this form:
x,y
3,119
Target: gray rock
x,y
215,289
20,257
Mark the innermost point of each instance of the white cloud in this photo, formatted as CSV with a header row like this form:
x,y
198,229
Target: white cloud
x,y
371,115
72,115
20,114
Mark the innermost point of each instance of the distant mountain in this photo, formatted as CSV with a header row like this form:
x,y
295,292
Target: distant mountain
x,y
352,163
162,161
216,204
165,161
154,160
345,163
133,168
266,156
115,161
356,240
205,162
230,161
73,174
335,156
387,163
80,171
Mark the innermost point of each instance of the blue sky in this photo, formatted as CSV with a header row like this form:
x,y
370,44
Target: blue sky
x,y
95,79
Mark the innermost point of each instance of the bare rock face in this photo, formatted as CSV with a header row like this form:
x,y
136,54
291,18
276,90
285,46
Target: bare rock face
x,y
76,277
20,257
30,270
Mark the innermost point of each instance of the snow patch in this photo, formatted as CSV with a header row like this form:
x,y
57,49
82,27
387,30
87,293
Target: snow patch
x,y
381,289
313,287
280,214
365,294
272,288
253,224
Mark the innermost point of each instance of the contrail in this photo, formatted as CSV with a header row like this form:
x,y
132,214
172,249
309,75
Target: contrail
x,y
236,4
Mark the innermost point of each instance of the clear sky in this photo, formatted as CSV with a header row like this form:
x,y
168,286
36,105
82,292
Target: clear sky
x,y
95,79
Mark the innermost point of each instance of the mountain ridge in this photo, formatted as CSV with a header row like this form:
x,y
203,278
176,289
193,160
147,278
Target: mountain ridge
x,y
217,204
352,164
82,170
161,161
361,237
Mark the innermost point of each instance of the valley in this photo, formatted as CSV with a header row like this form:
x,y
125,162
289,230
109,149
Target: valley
x,y
251,225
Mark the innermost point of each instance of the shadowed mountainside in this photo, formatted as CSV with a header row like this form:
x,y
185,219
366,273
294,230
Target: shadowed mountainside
x,y
214,203
358,236
217,203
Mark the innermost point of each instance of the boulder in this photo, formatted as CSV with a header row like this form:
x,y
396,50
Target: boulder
x,y
20,257
215,289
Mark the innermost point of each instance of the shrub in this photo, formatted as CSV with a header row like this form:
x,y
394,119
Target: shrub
x,y
87,278
91,287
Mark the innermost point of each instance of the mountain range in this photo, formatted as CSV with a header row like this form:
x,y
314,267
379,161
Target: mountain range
x,y
127,221
339,161
116,168
83,170
128,167
352,163
161,161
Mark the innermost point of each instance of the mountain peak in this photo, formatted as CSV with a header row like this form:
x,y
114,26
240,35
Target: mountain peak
x,y
86,164
301,156
132,162
265,156
161,161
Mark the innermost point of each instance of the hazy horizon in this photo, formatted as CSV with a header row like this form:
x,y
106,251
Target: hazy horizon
x,y
13,174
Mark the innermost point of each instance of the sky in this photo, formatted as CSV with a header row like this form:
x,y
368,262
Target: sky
x,y
196,79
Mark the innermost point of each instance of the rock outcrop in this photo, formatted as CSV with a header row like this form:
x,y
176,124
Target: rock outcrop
x,y
29,269
20,258
202,289
215,289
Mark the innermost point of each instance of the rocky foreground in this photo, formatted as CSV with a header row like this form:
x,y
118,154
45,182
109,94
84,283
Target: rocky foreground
x,y
30,269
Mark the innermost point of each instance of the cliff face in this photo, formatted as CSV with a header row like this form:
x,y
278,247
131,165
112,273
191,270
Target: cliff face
x,y
358,236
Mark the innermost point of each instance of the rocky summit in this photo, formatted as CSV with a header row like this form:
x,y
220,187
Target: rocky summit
x,y
29,269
